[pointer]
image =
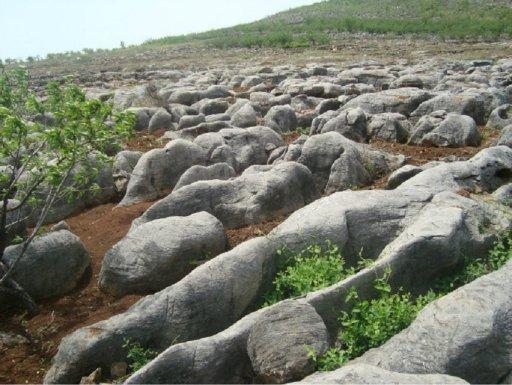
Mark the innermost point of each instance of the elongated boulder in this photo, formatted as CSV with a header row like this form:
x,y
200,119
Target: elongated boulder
x,y
260,193
160,253
158,171
368,374
401,100
221,171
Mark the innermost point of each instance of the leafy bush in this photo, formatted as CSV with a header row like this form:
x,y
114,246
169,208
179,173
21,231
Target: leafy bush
x,y
371,323
313,268
138,355
51,148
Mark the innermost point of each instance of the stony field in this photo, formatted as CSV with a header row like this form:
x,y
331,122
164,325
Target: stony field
x,y
396,158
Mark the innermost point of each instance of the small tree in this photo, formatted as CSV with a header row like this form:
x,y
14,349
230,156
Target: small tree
x,y
44,145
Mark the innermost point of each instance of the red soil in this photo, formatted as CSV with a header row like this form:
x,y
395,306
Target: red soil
x,y
102,227
99,229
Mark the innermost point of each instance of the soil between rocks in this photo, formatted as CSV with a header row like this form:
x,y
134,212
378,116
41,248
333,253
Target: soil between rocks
x,y
102,227
99,229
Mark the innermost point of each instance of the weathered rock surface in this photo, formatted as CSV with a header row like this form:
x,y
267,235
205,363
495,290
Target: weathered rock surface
x,y
443,129
158,171
246,116
401,175
338,163
349,123
401,100
433,215
368,374
52,265
504,195
142,116
240,148
464,334
161,120
501,117
218,293
389,127
281,119
160,253
260,193
221,171
63,207
457,103
505,138
124,163
279,341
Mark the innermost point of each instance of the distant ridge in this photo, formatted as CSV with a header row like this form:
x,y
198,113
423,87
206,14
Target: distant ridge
x,y
322,22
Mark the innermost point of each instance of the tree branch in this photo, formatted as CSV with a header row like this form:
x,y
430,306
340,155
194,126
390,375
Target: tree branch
x,y
46,208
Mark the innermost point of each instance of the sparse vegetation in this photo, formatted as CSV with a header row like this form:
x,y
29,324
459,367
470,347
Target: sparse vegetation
x,y
311,269
138,355
371,323
318,24
303,130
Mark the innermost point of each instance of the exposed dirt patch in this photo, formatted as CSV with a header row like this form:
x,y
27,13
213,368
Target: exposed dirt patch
x,y
144,142
290,137
238,236
418,155
99,229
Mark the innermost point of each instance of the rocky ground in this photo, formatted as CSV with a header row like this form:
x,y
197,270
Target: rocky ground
x,y
405,157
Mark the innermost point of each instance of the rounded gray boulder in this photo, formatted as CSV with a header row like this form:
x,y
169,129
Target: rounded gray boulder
x,y
443,129
161,120
52,265
194,174
500,117
279,341
281,119
160,253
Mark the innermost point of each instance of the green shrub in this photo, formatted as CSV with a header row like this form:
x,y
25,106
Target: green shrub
x,y
303,130
138,355
313,268
57,161
371,323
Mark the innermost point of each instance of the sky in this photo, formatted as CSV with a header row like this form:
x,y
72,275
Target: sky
x,y
39,27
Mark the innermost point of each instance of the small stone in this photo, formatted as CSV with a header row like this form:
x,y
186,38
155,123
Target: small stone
x,y
10,340
62,225
93,378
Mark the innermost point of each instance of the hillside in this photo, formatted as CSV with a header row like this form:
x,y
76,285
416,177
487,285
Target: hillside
x,y
294,199
321,23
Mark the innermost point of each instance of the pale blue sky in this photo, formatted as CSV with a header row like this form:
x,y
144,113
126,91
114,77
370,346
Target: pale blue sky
x,y
38,27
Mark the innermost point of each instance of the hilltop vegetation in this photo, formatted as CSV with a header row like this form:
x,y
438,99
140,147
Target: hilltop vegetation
x,y
319,24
